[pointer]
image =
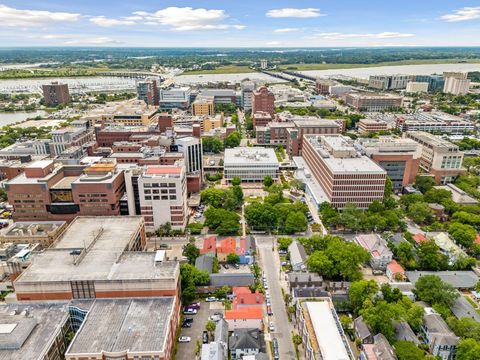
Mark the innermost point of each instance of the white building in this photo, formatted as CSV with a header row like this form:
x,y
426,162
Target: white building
x,y
456,83
263,64
163,196
175,97
250,163
191,148
417,87
248,87
322,334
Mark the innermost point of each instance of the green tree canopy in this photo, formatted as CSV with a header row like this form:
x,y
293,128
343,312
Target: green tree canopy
x,y
431,289
233,140
360,291
407,350
191,252
424,183
233,258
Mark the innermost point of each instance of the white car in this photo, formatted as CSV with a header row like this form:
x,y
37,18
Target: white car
x,y
184,339
215,318
271,327
265,286
268,302
190,312
211,299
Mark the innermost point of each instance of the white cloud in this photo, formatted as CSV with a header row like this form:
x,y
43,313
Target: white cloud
x,y
101,40
11,17
108,22
54,36
463,14
273,43
286,30
188,19
342,36
296,13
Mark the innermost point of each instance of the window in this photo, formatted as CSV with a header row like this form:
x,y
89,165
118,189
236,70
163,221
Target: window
x,y
83,289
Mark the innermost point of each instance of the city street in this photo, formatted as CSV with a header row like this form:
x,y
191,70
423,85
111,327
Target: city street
x,y
270,263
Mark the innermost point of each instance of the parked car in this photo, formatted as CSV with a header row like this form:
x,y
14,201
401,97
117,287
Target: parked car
x,y
195,305
236,266
269,311
226,266
265,286
211,299
271,327
186,324
205,337
276,355
215,318
282,252
184,339
188,320
190,312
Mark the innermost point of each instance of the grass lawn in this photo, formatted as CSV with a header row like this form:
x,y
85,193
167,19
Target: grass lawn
x,y
230,69
304,67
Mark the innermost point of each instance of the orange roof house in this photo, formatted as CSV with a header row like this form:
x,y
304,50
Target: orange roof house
x,y
248,299
394,268
419,238
209,246
250,312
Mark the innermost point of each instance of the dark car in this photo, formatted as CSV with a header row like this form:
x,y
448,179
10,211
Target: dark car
x,y
269,310
226,266
195,305
188,320
205,337
186,324
276,355
236,266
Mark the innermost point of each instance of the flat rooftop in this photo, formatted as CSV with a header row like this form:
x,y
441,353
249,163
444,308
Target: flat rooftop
x,y
329,339
117,325
33,228
430,139
104,241
250,155
28,336
338,153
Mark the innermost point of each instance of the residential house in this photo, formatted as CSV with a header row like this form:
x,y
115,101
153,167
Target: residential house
x,y
209,246
298,279
448,247
382,348
204,263
419,238
226,247
218,348
249,317
403,332
458,195
395,271
461,280
243,297
298,256
380,254
362,331
245,342
441,340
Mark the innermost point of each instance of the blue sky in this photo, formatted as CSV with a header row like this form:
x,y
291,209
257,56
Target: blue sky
x,y
240,23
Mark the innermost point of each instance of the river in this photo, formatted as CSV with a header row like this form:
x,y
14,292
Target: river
x,y
364,73
9,118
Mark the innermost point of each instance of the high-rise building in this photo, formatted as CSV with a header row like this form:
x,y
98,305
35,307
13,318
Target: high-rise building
x,y
344,175
440,158
389,82
147,90
203,106
400,157
417,87
175,97
323,86
435,82
56,94
48,192
247,86
263,64
191,148
263,100
163,196
456,83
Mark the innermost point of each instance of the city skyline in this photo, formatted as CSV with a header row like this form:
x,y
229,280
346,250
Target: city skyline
x,y
247,24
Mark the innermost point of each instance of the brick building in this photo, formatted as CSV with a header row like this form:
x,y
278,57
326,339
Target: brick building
x,y
56,94
263,100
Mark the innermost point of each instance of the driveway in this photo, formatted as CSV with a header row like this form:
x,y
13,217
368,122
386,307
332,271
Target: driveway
x,y
186,351
270,263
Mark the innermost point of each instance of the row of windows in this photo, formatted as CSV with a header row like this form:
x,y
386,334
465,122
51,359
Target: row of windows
x,y
163,197
147,185
162,191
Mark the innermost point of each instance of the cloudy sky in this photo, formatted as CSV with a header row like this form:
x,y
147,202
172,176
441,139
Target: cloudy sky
x,y
240,23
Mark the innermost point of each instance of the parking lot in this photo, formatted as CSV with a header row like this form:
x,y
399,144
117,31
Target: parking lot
x,y
232,270
186,351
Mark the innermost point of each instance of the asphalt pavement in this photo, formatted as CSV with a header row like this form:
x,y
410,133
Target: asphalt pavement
x,y
270,263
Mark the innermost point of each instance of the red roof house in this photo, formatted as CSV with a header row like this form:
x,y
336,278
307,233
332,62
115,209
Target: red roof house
x,y
419,238
395,270
209,246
